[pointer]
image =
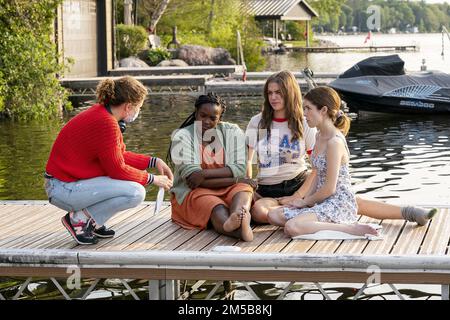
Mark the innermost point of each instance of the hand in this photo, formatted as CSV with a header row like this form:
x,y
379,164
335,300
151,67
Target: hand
x,y
299,203
195,179
251,182
163,182
286,200
164,169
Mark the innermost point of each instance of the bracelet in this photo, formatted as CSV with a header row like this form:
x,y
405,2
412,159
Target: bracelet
x,y
150,179
152,162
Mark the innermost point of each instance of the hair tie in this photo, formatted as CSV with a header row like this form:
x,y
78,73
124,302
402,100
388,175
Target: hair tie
x,y
340,114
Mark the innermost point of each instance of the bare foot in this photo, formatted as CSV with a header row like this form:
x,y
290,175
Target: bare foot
x,y
246,229
361,229
234,221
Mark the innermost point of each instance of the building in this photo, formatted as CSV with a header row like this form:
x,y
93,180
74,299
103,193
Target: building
x,y
84,32
282,10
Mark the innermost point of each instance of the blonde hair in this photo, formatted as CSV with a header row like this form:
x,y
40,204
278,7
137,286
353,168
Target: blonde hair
x,y
116,92
292,96
328,97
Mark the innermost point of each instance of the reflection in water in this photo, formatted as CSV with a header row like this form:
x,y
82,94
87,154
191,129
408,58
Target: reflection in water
x,y
393,156
430,50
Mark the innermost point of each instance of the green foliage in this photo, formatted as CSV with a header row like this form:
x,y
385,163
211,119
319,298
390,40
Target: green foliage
x,y
157,55
344,14
2,92
214,23
130,40
296,30
28,61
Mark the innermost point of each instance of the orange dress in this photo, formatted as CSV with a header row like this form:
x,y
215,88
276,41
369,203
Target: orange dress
x,y
196,209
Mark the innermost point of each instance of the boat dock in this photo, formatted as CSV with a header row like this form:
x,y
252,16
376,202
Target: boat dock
x,y
34,244
216,70
336,49
196,80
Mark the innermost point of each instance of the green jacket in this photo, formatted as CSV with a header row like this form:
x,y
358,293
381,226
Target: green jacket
x,y
185,152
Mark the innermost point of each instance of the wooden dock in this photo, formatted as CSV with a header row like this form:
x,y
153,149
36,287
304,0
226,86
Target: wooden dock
x,y
33,243
83,89
215,70
251,87
336,49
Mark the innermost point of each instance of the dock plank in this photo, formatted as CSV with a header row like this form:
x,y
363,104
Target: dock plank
x,y
158,71
45,224
327,246
178,80
222,240
356,246
17,213
154,239
390,233
199,241
437,238
134,231
298,246
275,242
410,239
177,239
37,226
9,211
62,239
260,234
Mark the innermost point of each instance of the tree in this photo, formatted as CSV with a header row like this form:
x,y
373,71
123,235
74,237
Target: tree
x,y
28,60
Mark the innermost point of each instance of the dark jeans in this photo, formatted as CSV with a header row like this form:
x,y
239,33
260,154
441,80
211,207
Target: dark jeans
x,y
283,189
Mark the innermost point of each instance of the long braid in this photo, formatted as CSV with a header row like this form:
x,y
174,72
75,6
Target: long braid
x,y
211,98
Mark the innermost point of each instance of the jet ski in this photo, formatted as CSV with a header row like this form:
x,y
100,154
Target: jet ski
x,y
380,84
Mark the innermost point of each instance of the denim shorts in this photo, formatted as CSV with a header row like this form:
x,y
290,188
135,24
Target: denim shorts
x,y
283,189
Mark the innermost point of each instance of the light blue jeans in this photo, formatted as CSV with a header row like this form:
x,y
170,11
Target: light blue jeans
x,y
103,197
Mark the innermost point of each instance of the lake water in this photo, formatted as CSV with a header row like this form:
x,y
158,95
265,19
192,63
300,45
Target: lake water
x,y
393,156
398,158
430,50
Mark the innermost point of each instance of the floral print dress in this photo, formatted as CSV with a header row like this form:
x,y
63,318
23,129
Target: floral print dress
x,y
341,207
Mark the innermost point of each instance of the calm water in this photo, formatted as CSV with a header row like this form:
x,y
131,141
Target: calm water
x,y
430,50
393,157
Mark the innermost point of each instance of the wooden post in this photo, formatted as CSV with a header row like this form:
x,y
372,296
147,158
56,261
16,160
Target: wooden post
x,y
276,33
127,8
445,292
273,28
307,33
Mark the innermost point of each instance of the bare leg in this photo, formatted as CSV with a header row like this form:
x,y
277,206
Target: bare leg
x,y
381,210
261,208
219,215
240,206
378,209
276,216
246,229
307,224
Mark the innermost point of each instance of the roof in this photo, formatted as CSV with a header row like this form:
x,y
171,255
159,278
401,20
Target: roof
x,y
280,9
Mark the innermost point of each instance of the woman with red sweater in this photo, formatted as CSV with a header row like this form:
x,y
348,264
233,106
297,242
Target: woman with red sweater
x,y
89,172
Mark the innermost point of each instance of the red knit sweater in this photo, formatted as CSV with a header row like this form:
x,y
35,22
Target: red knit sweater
x,y
91,145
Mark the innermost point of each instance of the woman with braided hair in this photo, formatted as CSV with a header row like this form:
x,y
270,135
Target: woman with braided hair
x,y
210,188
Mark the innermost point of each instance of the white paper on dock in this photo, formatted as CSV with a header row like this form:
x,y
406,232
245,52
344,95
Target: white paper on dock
x,y
159,200
226,249
339,235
